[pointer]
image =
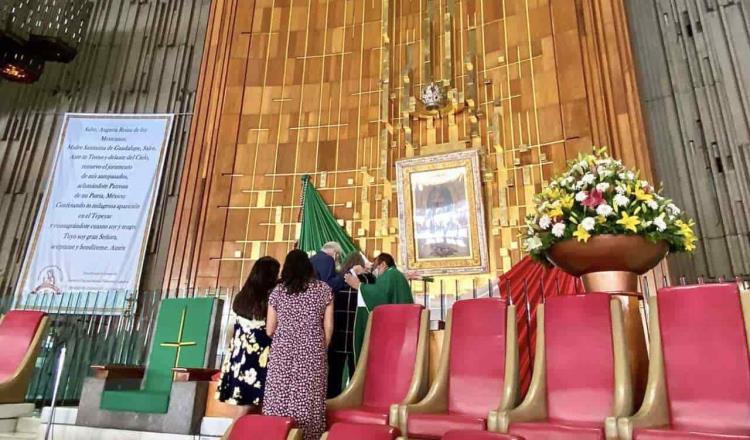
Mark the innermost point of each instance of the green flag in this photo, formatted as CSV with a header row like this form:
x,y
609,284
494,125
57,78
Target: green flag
x,y
318,224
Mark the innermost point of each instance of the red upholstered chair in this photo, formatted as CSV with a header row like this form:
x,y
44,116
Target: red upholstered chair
x,y
581,375
479,435
263,427
392,368
478,372
699,374
356,431
21,334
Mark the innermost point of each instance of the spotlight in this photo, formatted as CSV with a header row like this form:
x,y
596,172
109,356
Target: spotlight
x,y
35,31
18,66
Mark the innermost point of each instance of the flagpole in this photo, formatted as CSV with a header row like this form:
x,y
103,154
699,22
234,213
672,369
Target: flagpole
x,y
305,181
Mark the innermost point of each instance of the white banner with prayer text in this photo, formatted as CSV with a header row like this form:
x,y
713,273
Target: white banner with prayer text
x,y
92,227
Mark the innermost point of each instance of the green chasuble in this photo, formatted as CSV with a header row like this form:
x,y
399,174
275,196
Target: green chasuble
x,y
389,288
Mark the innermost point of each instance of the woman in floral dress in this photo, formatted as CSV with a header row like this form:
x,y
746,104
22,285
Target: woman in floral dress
x,y
300,320
243,374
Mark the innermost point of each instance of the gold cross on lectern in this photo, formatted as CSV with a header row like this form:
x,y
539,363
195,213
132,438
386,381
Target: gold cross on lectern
x,y
179,343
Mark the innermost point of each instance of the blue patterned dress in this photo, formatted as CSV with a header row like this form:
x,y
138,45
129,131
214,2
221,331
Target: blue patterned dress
x,y
243,374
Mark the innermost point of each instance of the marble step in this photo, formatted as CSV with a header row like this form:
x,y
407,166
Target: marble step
x,y
212,428
8,425
64,415
28,425
17,436
14,410
72,432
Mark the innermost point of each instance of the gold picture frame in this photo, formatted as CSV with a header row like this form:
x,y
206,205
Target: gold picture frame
x,y
441,214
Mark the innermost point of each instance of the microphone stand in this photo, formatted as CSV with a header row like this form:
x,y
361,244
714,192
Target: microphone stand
x,y
58,374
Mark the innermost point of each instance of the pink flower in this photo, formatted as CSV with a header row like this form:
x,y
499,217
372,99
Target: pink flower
x,y
594,199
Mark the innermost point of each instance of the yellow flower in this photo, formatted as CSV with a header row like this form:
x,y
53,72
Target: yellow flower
x,y
552,193
581,234
686,230
688,233
690,245
601,219
567,201
556,211
629,222
642,195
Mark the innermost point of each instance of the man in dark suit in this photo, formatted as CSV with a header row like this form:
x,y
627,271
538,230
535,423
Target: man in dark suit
x,y
324,263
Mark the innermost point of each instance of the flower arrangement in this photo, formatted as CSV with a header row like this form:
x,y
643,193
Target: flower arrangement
x,y
599,195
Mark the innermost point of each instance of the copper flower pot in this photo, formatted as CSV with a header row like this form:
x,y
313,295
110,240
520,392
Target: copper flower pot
x,y
608,263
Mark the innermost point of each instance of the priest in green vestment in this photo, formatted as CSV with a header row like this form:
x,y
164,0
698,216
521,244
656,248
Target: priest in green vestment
x,y
390,287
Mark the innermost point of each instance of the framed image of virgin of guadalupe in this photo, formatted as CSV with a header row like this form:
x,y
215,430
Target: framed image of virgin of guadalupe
x,y
441,213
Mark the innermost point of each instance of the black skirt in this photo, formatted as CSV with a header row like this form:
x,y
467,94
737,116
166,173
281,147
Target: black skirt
x,y
243,374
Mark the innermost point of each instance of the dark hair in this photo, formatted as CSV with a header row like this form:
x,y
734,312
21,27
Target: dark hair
x,y
297,272
252,300
385,258
354,259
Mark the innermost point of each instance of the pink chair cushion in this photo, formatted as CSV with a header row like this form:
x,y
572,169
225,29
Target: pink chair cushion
x,y
364,414
351,431
392,354
17,331
556,431
476,376
580,359
706,361
658,434
434,426
479,435
265,427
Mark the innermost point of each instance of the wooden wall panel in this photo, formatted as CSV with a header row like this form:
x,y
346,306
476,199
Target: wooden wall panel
x,y
294,87
139,57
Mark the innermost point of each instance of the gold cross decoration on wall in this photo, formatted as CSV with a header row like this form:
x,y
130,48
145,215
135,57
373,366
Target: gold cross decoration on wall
x,y
179,343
